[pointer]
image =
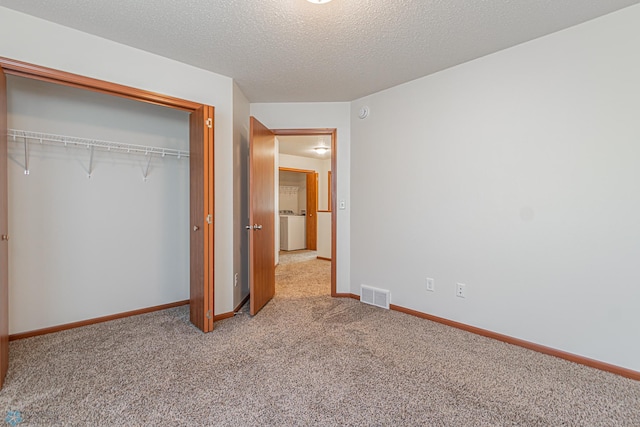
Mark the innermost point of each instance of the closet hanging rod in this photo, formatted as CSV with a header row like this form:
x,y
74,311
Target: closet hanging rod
x,y
88,143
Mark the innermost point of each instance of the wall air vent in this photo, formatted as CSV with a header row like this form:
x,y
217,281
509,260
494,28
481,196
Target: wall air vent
x,y
374,296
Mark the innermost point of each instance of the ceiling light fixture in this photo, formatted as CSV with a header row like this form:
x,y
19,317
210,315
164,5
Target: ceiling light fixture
x,y
321,150
318,1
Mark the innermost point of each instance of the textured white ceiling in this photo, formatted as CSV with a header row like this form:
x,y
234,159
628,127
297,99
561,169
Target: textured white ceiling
x,y
293,50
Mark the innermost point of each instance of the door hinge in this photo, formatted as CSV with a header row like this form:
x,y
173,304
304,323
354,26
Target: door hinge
x,y
209,219
209,122
208,314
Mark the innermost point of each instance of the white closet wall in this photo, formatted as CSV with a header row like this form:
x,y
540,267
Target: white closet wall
x,y
82,248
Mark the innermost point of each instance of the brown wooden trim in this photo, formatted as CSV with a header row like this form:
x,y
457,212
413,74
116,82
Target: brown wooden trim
x,y
324,211
283,169
36,72
94,321
628,373
329,190
323,258
243,302
346,295
334,209
311,209
223,316
209,200
201,200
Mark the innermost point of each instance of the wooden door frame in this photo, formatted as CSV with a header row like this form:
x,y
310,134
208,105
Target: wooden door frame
x,y
333,133
312,214
36,72
201,189
304,171
329,192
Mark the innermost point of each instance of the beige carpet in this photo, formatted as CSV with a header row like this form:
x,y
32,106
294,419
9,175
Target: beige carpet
x,y
306,359
293,257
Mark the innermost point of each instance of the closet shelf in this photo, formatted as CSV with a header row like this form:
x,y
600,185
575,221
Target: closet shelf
x,y
16,134
288,190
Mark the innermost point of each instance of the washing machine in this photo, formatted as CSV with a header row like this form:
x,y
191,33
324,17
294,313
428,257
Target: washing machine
x,y
293,232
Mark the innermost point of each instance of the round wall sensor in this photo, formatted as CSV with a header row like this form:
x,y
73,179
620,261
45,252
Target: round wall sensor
x,y
363,113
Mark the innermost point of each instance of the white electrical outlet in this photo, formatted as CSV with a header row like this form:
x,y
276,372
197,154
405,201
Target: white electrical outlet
x,y
430,284
235,280
460,291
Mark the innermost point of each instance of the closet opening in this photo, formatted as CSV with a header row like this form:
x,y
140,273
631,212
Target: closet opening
x,y
98,204
120,195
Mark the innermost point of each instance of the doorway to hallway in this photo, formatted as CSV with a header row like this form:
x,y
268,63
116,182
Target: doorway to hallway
x,y
304,199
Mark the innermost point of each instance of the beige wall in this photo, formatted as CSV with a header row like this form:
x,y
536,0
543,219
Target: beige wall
x,y
515,174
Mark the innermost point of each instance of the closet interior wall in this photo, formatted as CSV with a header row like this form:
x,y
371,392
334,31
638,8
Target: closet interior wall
x,y
84,247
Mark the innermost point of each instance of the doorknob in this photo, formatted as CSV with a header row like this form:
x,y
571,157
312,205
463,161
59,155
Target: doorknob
x,y
196,228
5,237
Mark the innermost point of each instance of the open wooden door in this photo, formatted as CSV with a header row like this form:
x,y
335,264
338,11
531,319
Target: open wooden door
x,y
201,215
4,232
262,273
312,211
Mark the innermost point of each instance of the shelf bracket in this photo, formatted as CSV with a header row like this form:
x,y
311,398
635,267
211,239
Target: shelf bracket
x,y
145,174
26,156
90,162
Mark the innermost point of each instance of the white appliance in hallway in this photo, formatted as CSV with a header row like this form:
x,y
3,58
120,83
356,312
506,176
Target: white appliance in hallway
x,y
293,234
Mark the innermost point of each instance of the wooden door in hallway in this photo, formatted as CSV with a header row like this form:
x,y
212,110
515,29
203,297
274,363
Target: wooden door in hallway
x,y
261,228
4,231
312,211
